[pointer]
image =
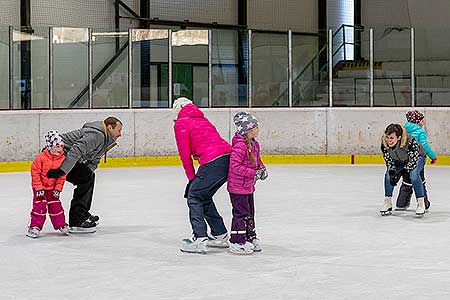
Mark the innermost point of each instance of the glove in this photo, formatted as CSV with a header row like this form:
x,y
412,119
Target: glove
x,y
40,195
55,173
434,160
261,173
186,190
56,194
394,177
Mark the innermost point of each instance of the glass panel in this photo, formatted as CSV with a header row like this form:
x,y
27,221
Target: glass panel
x,y
351,77
70,67
190,65
229,68
269,69
309,70
150,67
110,69
30,80
392,52
432,54
4,68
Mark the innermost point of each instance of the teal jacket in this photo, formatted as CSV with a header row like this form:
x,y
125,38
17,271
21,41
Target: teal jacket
x,y
420,135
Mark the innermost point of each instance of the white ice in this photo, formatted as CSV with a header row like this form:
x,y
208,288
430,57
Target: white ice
x,y
320,228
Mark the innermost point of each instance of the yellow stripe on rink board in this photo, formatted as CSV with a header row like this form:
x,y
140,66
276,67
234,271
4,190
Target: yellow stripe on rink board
x,y
154,161
147,161
306,159
15,166
368,159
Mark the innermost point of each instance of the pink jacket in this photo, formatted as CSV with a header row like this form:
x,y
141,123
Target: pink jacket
x,y
241,176
198,138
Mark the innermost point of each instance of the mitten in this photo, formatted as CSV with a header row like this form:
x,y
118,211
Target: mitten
x,y
55,173
394,177
56,194
261,173
40,195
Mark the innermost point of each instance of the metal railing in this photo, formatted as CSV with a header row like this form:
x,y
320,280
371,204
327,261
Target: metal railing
x,y
312,78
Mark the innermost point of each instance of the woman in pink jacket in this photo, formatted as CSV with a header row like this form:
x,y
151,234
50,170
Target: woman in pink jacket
x,y
246,168
197,138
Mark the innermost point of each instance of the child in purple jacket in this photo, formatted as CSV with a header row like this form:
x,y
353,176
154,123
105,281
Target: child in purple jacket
x,y
246,168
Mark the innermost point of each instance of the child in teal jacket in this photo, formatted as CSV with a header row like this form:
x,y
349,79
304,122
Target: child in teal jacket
x,y
415,121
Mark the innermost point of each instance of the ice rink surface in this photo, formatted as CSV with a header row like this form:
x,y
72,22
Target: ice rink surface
x,y
320,229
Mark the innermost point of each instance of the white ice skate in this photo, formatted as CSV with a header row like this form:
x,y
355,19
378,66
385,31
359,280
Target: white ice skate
x,y
242,249
219,241
256,245
194,245
33,232
420,207
64,230
386,209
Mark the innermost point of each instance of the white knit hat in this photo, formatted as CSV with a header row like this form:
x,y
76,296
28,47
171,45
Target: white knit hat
x,y
179,104
52,138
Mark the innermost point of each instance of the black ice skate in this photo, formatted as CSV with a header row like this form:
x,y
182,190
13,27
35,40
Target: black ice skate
x,y
87,226
94,219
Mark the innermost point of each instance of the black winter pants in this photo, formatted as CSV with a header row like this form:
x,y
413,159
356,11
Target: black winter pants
x,y
83,178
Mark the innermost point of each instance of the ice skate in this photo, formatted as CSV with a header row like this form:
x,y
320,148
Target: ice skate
x,y
420,207
95,219
219,241
256,245
87,226
64,230
241,249
33,232
194,245
386,209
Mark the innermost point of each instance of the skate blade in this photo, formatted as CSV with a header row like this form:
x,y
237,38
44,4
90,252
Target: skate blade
x,y
401,209
419,214
386,213
222,246
82,230
241,253
192,251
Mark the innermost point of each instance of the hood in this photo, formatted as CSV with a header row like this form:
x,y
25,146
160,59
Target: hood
x,y
100,126
190,111
51,156
237,138
403,139
412,128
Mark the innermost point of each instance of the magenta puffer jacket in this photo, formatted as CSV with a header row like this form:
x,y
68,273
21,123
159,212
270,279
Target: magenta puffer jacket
x,y
198,138
241,175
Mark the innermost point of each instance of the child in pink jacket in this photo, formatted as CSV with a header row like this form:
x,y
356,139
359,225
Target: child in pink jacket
x,y
46,190
246,168
198,139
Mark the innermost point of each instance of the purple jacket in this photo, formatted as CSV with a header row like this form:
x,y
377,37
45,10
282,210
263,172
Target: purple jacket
x,y
241,175
197,137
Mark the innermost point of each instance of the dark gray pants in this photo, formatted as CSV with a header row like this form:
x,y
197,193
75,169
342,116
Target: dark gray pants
x,y
84,179
406,191
209,178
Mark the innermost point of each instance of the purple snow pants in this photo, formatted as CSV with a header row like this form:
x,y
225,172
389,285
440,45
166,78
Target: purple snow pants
x,y
243,223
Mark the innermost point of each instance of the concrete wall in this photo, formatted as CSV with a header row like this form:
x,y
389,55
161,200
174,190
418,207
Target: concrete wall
x,y
283,131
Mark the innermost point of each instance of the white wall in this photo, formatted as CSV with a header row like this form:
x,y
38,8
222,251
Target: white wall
x,y
283,130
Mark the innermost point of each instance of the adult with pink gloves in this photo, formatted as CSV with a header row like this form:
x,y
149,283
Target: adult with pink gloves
x,y
197,138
